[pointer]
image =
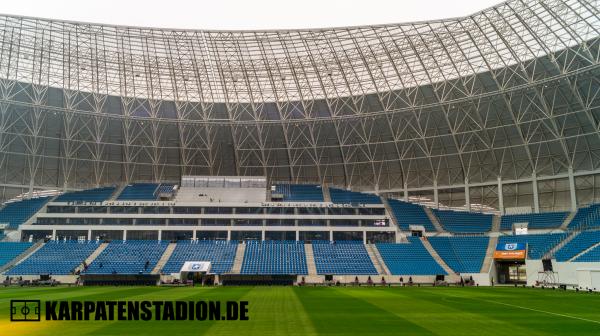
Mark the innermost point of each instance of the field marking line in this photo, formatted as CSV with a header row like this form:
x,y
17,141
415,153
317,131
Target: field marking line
x,y
543,311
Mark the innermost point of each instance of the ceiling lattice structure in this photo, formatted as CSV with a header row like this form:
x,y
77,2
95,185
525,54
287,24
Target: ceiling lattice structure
x,y
509,92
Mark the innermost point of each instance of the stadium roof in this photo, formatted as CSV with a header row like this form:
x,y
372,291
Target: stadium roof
x,y
509,92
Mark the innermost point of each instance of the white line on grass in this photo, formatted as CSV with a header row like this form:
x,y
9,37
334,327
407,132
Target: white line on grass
x,y
543,311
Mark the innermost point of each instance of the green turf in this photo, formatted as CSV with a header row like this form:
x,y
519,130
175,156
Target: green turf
x,y
334,311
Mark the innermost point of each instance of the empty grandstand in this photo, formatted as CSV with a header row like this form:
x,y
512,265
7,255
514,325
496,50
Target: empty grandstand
x,y
220,254
549,220
128,257
464,222
56,258
274,257
342,257
409,258
462,254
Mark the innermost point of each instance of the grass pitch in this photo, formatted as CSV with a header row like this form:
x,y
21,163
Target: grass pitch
x,y
333,311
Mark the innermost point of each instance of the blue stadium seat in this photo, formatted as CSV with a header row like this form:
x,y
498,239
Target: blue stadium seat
x,y
11,250
90,195
464,222
300,192
221,255
342,257
580,243
546,220
352,197
537,244
586,217
17,213
55,257
410,258
410,214
139,192
274,257
462,254
128,257
592,255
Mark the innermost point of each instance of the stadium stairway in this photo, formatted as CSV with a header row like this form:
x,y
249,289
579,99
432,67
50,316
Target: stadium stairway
x,y
568,220
26,254
239,259
489,253
495,224
434,220
91,257
390,212
376,259
164,258
553,250
310,259
326,194
436,256
584,252
117,192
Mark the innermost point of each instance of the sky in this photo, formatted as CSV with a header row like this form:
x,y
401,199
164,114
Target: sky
x,y
244,14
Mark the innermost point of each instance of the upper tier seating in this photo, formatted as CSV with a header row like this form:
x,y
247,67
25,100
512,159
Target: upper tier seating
x,y
592,255
17,213
300,192
410,214
580,243
537,244
274,257
410,258
462,254
546,220
139,192
55,258
587,217
11,250
90,195
221,255
128,257
352,197
464,222
342,257
166,188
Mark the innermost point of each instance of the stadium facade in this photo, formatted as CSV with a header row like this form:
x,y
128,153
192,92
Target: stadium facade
x,y
499,108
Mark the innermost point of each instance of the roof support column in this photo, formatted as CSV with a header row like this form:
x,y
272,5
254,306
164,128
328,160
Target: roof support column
x,y
436,198
500,196
572,190
467,196
536,196
406,191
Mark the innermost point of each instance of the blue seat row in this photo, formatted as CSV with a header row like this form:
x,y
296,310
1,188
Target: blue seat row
x,y
11,250
89,195
55,258
274,257
352,197
342,257
547,220
220,253
537,244
18,212
410,214
462,254
139,192
464,222
300,192
592,255
586,217
580,243
128,257
410,258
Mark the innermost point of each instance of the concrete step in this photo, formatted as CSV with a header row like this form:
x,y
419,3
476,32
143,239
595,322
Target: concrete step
x,y
390,213
239,259
378,262
164,258
489,255
310,259
91,257
568,220
437,257
496,224
26,254
434,220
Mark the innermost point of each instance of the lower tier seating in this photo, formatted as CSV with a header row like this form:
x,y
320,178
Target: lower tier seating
x,y
274,257
11,250
580,243
56,258
537,244
592,255
342,257
221,255
410,258
128,257
462,254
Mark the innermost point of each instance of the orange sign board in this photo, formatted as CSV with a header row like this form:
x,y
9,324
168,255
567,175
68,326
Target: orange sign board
x,y
518,254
